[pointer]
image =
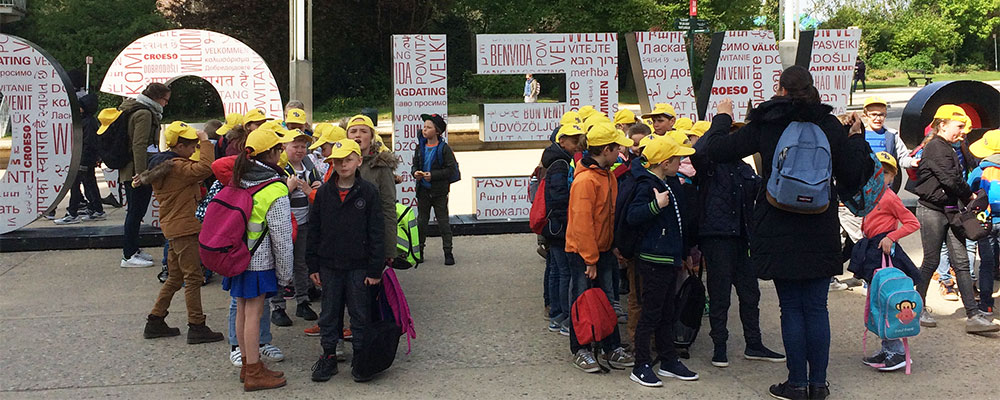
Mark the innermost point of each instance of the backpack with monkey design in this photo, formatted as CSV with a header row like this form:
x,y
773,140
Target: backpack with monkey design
x,y
893,307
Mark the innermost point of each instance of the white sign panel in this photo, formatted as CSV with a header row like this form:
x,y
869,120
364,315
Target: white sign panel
x,y
666,71
589,60
237,72
502,198
748,70
520,122
834,52
420,86
43,137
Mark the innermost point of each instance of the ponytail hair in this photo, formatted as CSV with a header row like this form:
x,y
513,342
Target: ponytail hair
x,y
244,162
798,85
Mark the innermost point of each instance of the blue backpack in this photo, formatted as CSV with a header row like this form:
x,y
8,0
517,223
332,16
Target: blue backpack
x,y
801,170
893,307
865,200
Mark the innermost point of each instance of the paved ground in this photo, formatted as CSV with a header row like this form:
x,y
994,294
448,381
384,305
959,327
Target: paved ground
x,y
71,323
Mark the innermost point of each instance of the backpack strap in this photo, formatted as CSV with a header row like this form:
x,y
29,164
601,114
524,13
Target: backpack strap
x,y
906,349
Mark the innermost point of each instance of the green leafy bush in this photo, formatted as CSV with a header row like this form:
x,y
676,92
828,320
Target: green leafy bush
x,y
883,60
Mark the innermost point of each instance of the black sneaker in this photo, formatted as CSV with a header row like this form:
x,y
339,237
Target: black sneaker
x,y
819,392
785,391
305,312
643,375
359,378
288,292
875,361
324,368
449,259
719,358
279,318
761,353
162,276
676,369
111,201
893,362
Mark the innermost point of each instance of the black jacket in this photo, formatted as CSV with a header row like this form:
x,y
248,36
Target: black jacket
x,y
662,238
556,192
940,179
442,168
788,245
866,257
91,155
726,192
346,235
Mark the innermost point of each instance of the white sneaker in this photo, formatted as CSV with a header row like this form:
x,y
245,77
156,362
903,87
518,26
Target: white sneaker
x,y
271,352
144,255
67,220
136,262
836,286
236,357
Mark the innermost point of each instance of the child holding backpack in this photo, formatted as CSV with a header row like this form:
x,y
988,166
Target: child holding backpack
x,y
882,230
986,176
434,168
655,211
345,255
175,180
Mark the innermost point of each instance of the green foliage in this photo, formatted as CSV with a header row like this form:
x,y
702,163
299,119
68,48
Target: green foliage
x,y
883,60
921,60
928,34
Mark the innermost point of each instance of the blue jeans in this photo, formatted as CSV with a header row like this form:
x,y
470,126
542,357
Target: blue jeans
x,y
805,328
944,267
578,283
989,251
558,283
547,284
892,346
265,324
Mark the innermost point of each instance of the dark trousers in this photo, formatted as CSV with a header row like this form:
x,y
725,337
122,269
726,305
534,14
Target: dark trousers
x,y
805,328
659,286
138,201
728,265
989,252
425,201
85,178
578,283
863,86
340,288
933,232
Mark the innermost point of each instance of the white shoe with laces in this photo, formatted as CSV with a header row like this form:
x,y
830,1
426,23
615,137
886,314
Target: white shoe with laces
x,y
271,352
136,262
236,357
144,255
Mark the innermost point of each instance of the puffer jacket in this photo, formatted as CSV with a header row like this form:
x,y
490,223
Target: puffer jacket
x,y
175,182
557,182
726,193
662,238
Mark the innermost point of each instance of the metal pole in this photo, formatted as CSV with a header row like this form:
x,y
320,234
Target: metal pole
x,y
88,78
996,65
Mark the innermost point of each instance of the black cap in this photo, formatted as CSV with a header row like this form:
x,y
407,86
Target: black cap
x,y
437,120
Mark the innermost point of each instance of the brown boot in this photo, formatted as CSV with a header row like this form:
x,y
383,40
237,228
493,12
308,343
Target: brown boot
x,y
156,327
243,371
257,379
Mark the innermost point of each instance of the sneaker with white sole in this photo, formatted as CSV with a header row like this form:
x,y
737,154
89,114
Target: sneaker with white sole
x,y
144,255
136,262
893,362
836,286
676,369
926,320
979,324
584,360
875,361
67,220
619,358
236,357
643,375
271,352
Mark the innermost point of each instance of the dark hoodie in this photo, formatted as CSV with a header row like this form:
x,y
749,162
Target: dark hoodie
x,y
788,245
90,156
557,181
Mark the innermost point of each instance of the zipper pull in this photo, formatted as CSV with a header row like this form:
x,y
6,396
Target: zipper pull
x,y
664,233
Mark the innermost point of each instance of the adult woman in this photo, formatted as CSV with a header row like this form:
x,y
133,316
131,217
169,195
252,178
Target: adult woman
x,y
800,252
941,185
378,166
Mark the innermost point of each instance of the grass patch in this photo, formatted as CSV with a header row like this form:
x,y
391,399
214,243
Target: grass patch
x,y
899,80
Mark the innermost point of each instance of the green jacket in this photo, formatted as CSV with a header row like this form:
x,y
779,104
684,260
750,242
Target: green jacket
x,y
380,169
143,130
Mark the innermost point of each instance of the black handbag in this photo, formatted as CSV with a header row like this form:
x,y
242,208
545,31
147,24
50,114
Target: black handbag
x,y
972,221
380,340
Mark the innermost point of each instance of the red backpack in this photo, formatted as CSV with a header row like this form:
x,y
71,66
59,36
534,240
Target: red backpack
x,y
538,216
223,239
593,317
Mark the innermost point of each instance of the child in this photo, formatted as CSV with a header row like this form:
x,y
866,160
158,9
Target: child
x,y
378,167
881,233
175,177
987,177
434,166
626,186
302,180
345,254
326,134
663,117
589,235
233,121
89,159
625,119
296,118
557,160
656,213
271,264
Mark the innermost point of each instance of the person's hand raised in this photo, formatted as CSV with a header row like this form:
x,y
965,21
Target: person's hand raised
x,y
725,107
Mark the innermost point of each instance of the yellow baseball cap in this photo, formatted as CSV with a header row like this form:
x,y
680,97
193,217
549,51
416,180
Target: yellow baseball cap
x,y
625,116
329,133
295,116
679,136
107,116
953,112
886,158
585,112
986,146
645,141
343,148
571,130
254,116
700,128
361,119
264,138
178,129
594,119
570,118
662,149
875,100
661,108
232,120
683,124
604,133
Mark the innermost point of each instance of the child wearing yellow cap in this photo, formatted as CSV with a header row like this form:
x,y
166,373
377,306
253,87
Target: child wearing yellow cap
x,y
624,119
640,134
296,118
434,169
663,117
377,167
345,253
176,179
270,225
986,177
883,138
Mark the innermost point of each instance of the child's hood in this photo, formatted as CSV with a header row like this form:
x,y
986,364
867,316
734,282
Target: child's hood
x,y
159,167
590,166
992,160
223,169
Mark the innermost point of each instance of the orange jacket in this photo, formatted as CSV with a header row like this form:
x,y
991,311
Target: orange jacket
x,y
591,221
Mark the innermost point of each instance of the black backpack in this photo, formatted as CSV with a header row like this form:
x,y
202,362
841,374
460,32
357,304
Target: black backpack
x,y
114,144
690,307
380,340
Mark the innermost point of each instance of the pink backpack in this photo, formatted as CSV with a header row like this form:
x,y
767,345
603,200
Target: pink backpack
x,y
223,239
397,302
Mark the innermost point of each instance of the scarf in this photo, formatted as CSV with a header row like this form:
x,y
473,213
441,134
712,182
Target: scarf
x,y
154,107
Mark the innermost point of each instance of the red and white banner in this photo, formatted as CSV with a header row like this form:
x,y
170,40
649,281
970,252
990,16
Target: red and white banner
x,y
420,86
237,72
589,60
666,71
44,143
834,52
748,70
502,198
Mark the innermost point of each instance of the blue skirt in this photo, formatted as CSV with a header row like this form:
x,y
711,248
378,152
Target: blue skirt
x,y
251,284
